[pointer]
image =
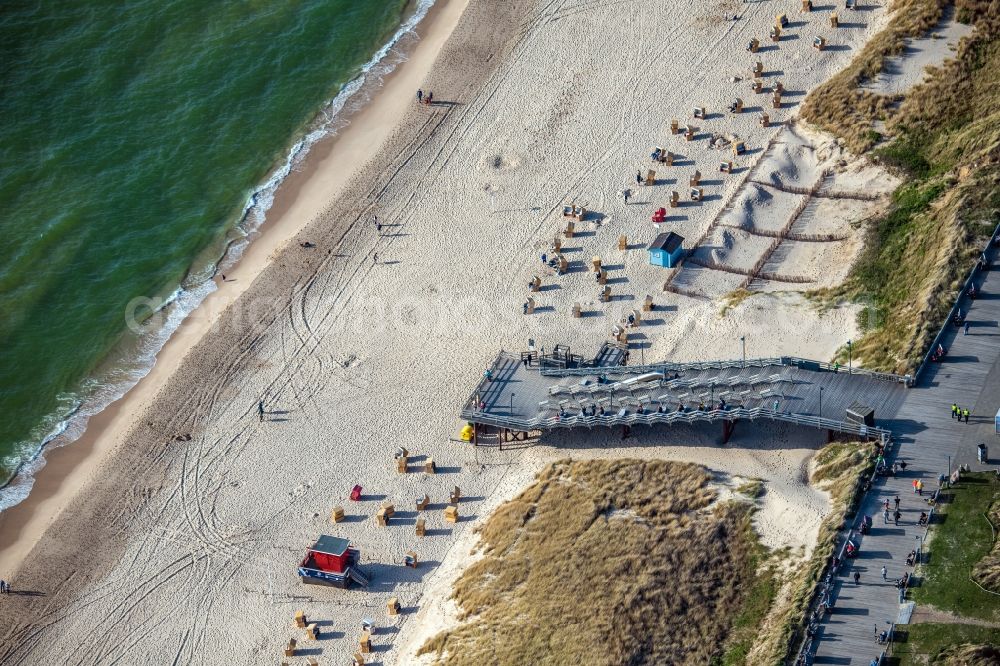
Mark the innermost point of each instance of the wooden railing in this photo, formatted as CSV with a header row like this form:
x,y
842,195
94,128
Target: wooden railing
x,y
780,361
823,592
631,418
988,251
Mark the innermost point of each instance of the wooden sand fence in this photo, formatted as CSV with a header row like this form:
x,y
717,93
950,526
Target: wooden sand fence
x,y
685,291
726,208
785,233
757,272
831,194
791,235
751,272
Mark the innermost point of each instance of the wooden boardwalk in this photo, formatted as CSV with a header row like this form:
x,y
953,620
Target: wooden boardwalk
x,y
522,398
927,438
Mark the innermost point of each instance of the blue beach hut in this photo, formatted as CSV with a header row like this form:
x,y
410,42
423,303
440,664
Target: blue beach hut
x,y
666,250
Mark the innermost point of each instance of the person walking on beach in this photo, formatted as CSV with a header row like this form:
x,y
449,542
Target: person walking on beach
x,y
420,96
3,587
965,413
885,573
625,195
638,178
260,410
954,410
920,487
965,328
857,578
885,516
375,258
897,502
896,516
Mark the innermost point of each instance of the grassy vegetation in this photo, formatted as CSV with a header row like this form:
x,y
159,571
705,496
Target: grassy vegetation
x,y
733,299
840,106
986,571
752,488
947,645
746,626
958,543
943,137
838,469
612,562
628,561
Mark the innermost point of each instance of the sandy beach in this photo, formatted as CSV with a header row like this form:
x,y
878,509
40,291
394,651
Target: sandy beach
x,y
172,532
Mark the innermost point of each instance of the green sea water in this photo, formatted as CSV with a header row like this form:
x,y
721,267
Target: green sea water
x,y
133,133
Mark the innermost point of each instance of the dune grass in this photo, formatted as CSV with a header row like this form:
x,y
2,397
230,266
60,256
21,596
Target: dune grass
x,y
752,488
636,562
986,571
840,106
733,299
612,562
968,654
943,137
947,645
747,625
960,542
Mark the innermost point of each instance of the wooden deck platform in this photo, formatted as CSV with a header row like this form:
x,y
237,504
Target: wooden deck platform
x,y
522,397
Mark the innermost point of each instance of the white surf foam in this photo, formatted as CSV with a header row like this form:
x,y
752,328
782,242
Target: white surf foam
x,y
113,384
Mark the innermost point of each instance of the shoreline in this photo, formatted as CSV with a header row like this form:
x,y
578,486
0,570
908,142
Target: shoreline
x,y
134,358
305,193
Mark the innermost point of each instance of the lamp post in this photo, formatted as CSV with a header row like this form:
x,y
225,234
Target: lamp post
x,y
821,402
850,357
743,341
512,403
